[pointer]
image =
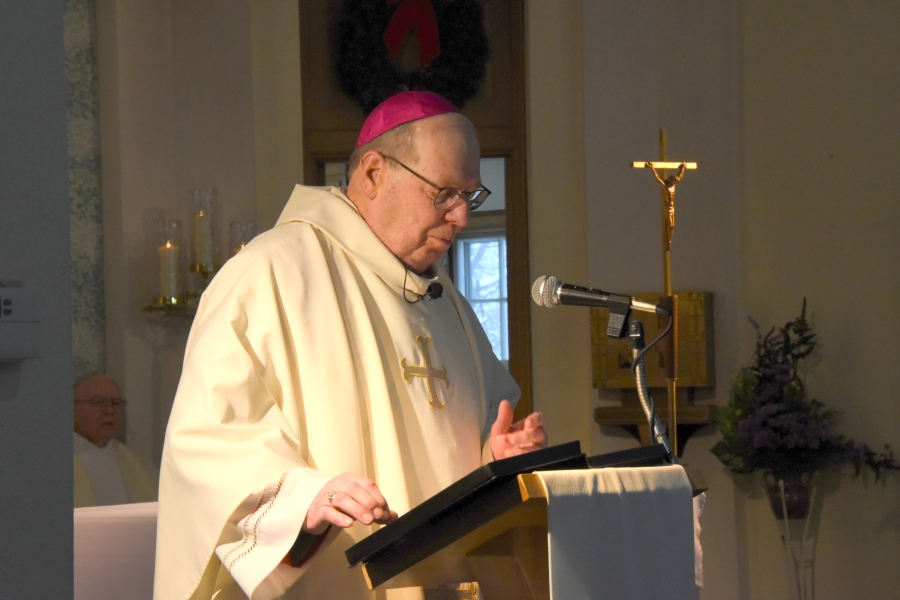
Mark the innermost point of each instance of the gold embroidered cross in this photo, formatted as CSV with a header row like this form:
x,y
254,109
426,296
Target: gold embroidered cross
x,y
427,371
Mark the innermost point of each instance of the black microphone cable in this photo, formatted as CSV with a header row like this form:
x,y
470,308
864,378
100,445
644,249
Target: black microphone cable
x,y
640,355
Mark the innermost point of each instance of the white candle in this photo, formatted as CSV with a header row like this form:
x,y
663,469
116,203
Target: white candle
x,y
168,270
203,239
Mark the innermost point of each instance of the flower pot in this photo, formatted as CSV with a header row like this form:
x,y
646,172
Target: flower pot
x,y
796,495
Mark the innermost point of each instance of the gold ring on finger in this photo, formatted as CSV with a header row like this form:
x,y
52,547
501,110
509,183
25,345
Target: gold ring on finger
x,y
331,496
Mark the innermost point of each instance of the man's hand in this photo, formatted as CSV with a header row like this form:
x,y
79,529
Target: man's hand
x,y
353,498
511,439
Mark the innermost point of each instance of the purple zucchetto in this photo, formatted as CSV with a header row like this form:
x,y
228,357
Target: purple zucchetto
x,y
402,108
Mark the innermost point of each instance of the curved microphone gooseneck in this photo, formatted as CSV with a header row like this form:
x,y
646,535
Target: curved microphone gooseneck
x,y
549,292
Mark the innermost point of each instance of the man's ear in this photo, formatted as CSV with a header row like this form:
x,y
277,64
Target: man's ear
x,y
371,169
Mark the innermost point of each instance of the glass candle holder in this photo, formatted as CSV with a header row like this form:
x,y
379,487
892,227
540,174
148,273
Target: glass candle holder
x,y
204,231
239,235
168,247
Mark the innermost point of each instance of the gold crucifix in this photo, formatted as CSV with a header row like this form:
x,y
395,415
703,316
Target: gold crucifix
x,y
426,371
668,184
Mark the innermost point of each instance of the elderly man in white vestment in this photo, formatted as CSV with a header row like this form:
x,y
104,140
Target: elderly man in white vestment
x,y
328,386
105,470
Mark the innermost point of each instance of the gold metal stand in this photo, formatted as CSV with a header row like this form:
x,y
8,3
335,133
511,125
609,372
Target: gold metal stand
x,y
185,305
668,184
182,306
204,270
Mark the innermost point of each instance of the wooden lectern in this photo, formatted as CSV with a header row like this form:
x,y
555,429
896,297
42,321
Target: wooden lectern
x,y
489,527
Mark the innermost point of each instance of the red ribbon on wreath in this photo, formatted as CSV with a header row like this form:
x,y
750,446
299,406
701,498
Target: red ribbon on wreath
x,y
415,15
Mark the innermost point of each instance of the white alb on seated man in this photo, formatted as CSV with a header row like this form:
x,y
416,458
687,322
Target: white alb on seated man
x,y
324,389
106,471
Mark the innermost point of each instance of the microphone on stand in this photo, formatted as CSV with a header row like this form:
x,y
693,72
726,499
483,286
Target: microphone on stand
x,y
548,291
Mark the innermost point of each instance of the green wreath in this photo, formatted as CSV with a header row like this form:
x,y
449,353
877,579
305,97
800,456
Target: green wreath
x,y
452,46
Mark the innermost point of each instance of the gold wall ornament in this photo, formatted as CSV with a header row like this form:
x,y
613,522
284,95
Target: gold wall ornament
x,y
426,371
611,358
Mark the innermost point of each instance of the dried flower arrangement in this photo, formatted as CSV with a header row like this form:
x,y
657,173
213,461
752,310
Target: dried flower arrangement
x,y
771,424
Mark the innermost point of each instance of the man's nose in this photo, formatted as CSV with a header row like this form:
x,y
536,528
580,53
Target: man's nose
x,y
459,214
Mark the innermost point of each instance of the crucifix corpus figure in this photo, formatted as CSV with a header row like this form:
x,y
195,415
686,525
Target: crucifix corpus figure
x,y
668,185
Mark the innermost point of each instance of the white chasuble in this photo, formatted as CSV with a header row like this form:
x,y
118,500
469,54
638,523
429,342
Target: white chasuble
x,y
113,474
102,477
314,352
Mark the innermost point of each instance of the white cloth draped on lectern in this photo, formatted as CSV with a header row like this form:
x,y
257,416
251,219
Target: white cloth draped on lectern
x,y
623,534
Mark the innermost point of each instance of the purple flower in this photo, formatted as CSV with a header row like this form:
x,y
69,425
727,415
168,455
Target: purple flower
x,y
765,438
764,412
856,451
792,440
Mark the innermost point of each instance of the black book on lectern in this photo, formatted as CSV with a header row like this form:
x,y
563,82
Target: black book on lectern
x,y
476,499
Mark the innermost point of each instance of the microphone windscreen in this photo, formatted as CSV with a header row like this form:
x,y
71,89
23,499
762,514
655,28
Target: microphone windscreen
x,y
543,291
435,290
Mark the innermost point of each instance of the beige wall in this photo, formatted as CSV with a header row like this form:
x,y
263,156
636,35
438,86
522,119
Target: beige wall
x,y
138,171
192,94
277,106
821,90
556,215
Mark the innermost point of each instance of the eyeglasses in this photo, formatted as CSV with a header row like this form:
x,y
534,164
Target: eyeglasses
x,y
98,403
449,197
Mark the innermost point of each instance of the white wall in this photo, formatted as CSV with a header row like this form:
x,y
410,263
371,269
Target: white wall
x,y
820,93
177,112
560,338
790,111
277,105
35,397
138,171
190,94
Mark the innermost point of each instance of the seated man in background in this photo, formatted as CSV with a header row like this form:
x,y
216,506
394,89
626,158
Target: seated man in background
x,y
106,471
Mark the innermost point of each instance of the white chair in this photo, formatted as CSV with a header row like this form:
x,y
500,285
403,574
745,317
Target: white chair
x,y
115,551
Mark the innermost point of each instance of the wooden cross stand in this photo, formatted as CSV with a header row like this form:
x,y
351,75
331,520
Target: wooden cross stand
x,y
668,184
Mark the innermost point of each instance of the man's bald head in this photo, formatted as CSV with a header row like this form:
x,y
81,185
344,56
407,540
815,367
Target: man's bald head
x,y
97,419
